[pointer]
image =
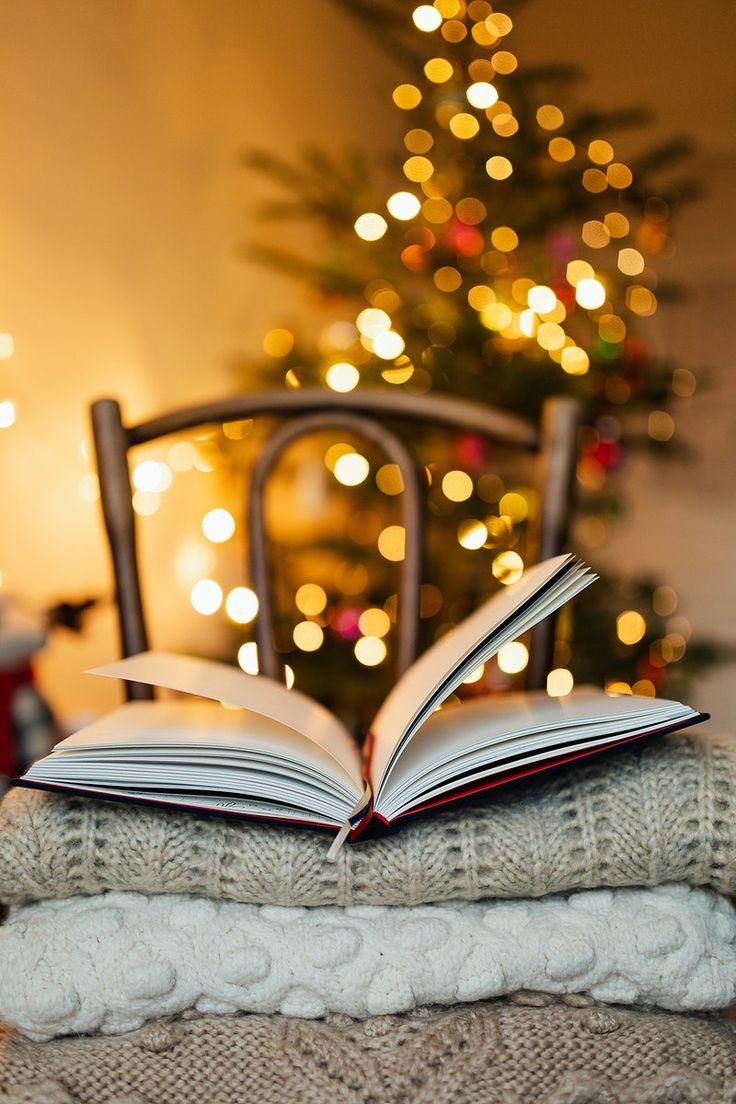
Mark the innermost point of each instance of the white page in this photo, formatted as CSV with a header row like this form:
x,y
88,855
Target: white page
x,y
454,739
169,731
206,678
394,720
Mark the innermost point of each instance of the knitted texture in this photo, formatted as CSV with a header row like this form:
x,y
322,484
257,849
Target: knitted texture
x,y
664,813
112,962
485,1054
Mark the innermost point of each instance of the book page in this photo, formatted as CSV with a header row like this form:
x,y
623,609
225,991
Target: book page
x,y
442,667
473,735
206,678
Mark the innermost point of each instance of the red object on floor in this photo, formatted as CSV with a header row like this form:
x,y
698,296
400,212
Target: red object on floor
x,y
10,683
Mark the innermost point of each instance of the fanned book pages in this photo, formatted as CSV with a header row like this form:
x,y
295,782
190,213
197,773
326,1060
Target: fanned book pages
x,y
279,755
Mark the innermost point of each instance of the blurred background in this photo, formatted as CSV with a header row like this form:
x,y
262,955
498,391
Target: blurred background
x,y
127,206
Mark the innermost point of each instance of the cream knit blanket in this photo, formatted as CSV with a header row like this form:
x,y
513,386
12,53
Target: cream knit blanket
x,y
485,1053
110,963
663,813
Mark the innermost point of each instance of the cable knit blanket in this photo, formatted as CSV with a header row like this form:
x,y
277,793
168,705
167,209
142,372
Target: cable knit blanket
x,y
110,963
499,1053
663,813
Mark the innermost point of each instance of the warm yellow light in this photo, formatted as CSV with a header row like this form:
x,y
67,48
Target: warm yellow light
x,y
559,682
403,205
351,469
388,345
146,476
664,601
541,299
206,596
308,636
407,96
311,599
472,533
438,70
218,525
370,226
374,622
334,453
507,567
594,180
89,487
499,168
503,61
7,346
513,657
514,505
528,322
370,651
630,262
645,687
278,342
550,117
464,126
561,149
426,18
7,414
237,430
475,676
574,360
480,297
590,293
618,688
392,542
641,300
577,271
372,322
389,479
248,657
504,124
482,94
437,210
550,336
418,140
457,486
146,503
241,605
447,278
630,627
600,152
193,561
418,169
616,224
500,23
595,234
497,316
660,425
611,328
342,377
619,176
504,239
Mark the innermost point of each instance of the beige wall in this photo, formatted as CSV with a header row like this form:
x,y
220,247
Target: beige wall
x,y
121,207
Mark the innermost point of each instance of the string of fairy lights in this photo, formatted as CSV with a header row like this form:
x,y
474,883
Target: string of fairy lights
x,y
442,227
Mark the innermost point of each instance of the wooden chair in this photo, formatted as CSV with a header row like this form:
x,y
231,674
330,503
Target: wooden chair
x,y
366,414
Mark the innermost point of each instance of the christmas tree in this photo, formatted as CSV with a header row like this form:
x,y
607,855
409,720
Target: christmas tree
x,y
506,253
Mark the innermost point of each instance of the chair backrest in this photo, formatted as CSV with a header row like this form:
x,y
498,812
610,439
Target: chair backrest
x,y
366,413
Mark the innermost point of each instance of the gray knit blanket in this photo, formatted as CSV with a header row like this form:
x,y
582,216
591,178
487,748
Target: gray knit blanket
x,y
484,1053
664,813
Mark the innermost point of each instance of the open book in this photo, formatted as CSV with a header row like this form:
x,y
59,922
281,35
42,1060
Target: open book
x,y
281,756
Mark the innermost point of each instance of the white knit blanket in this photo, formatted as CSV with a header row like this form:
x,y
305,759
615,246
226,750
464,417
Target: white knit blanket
x,y
111,962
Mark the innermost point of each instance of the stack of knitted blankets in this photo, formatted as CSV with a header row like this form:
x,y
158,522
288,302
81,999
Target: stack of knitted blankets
x,y
570,942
